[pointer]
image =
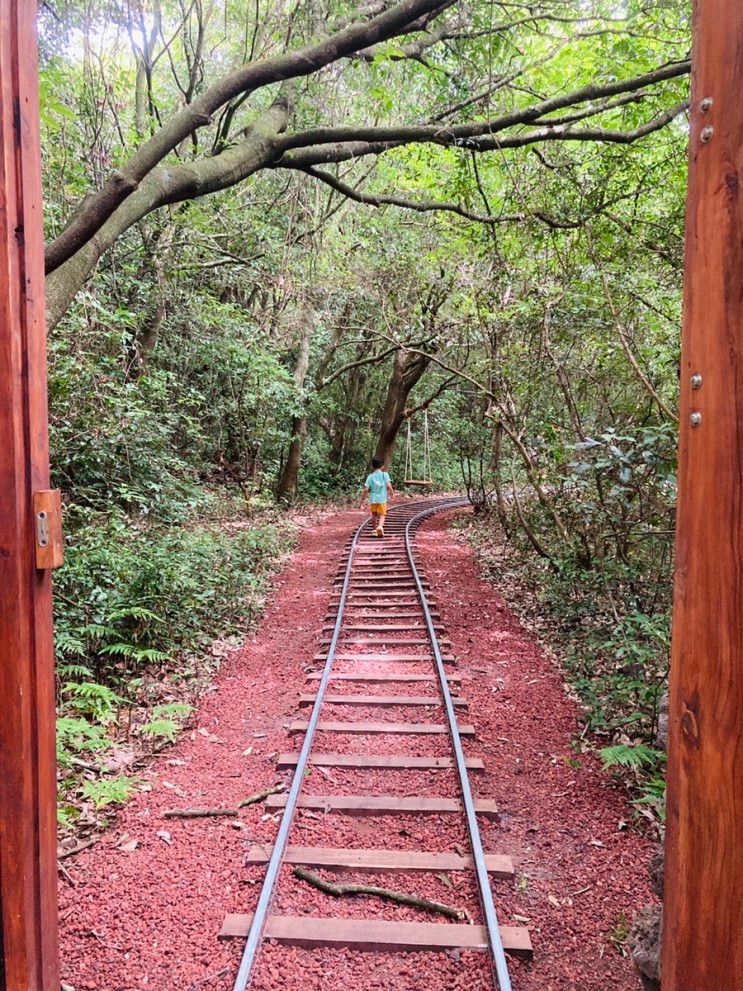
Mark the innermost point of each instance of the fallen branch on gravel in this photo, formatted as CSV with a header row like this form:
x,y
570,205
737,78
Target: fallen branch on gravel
x,y
64,854
65,874
198,813
260,796
208,978
341,890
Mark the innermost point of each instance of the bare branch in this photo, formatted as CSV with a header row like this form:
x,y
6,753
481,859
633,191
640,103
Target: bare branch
x,y
305,61
344,151
422,206
371,360
481,135
623,337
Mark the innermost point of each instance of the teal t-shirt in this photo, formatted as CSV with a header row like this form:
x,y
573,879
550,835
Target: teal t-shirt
x,y
377,485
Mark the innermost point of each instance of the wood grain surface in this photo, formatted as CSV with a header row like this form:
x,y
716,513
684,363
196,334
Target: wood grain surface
x,y
703,945
28,865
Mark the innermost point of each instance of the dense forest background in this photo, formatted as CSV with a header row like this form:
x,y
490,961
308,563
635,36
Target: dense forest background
x,y
277,228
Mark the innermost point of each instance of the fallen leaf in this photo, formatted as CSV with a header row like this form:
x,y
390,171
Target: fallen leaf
x,y
129,847
166,837
553,901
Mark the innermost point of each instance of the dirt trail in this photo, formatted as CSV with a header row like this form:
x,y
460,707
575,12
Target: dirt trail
x,y
148,918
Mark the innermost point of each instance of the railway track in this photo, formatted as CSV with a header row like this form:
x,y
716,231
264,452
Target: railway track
x,y
382,648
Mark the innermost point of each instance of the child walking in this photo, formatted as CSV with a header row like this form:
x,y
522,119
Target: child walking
x,y
377,488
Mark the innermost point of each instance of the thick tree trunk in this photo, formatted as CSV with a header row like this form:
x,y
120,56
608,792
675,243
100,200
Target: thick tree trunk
x,y
407,370
289,479
495,470
338,443
141,347
339,437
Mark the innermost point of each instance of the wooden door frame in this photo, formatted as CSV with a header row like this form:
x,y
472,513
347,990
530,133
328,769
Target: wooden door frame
x,y
703,890
28,857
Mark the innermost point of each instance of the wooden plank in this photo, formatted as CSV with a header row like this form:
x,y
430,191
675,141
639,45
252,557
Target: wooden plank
x,y
394,561
391,596
703,901
381,571
351,627
386,658
385,701
28,861
385,641
393,762
382,597
385,676
358,582
423,658
374,861
396,584
412,729
377,934
417,630
374,805
369,612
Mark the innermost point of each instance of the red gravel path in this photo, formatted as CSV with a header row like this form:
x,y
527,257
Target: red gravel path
x,y
148,919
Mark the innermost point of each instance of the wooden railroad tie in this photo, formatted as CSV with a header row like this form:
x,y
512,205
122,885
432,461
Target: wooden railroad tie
x,y
385,701
498,865
391,582
386,641
383,804
390,594
384,658
370,612
387,627
385,677
380,935
413,729
393,762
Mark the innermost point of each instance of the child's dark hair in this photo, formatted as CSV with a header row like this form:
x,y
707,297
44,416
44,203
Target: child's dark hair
x,y
377,463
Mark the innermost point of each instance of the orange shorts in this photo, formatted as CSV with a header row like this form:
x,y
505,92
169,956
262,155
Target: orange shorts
x,y
378,508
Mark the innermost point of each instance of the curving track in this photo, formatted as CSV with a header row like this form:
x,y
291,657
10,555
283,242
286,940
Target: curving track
x,y
383,651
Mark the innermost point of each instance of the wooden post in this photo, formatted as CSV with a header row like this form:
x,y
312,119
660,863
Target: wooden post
x,y
28,865
703,909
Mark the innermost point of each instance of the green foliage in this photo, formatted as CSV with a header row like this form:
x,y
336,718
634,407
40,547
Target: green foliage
x,y
109,791
139,601
219,331
78,736
623,755
91,699
159,726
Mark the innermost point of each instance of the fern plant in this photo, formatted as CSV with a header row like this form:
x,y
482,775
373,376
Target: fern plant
x,y
91,699
164,723
638,756
76,736
109,791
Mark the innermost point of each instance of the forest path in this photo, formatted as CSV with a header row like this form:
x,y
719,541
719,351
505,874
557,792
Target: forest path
x,y
148,917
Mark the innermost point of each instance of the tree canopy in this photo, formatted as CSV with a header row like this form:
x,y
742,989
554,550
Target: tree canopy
x,y
277,232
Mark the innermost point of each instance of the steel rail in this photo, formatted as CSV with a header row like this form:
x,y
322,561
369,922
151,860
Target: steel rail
x,y
258,923
255,935
478,854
